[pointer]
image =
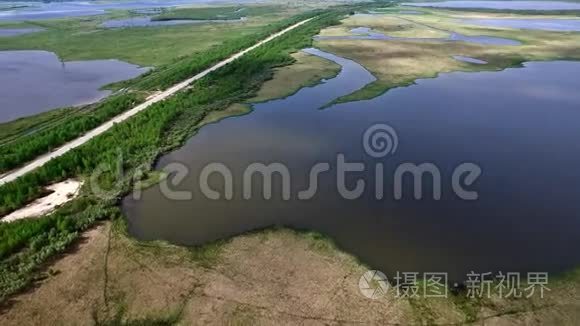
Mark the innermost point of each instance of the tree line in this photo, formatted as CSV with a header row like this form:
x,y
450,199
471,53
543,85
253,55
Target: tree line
x,y
26,244
29,147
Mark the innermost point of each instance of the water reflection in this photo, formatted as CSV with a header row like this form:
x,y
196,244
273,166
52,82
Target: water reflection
x,y
519,125
37,81
500,5
6,32
147,22
560,25
51,10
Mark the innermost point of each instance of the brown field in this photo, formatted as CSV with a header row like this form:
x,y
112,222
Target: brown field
x,y
280,276
271,277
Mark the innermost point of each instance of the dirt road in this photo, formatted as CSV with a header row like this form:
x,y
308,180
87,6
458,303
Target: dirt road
x,y
41,160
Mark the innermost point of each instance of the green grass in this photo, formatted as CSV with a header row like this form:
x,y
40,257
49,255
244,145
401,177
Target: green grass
x,y
207,255
233,110
470,307
219,13
25,146
371,90
140,140
211,13
43,136
28,125
150,179
14,24
308,70
567,277
83,39
31,242
319,242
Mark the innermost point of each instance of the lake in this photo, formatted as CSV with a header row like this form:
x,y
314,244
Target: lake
x,y
558,25
6,32
147,22
500,5
520,126
37,81
50,10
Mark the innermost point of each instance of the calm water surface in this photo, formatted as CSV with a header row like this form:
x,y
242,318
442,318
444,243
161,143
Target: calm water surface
x,y
5,32
519,125
37,81
146,22
39,10
559,25
505,5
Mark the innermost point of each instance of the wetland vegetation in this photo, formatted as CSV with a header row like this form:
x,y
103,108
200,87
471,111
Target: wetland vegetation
x,y
163,126
82,39
501,5
165,75
399,63
240,279
217,13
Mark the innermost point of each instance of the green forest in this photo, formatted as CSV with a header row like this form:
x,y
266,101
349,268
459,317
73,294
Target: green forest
x,y
134,145
215,13
26,148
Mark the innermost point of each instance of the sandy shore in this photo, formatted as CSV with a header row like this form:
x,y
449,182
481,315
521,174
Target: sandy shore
x,y
62,192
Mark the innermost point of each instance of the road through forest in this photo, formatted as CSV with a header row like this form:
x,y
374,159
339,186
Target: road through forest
x,y
43,159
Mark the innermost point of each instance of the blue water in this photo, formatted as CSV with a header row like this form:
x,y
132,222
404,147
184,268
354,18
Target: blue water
x,y
505,5
147,22
6,32
559,25
519,125
39,10
38,81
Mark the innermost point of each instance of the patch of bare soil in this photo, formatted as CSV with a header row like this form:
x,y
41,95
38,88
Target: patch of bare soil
x,y
69,296
60,193
268,278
